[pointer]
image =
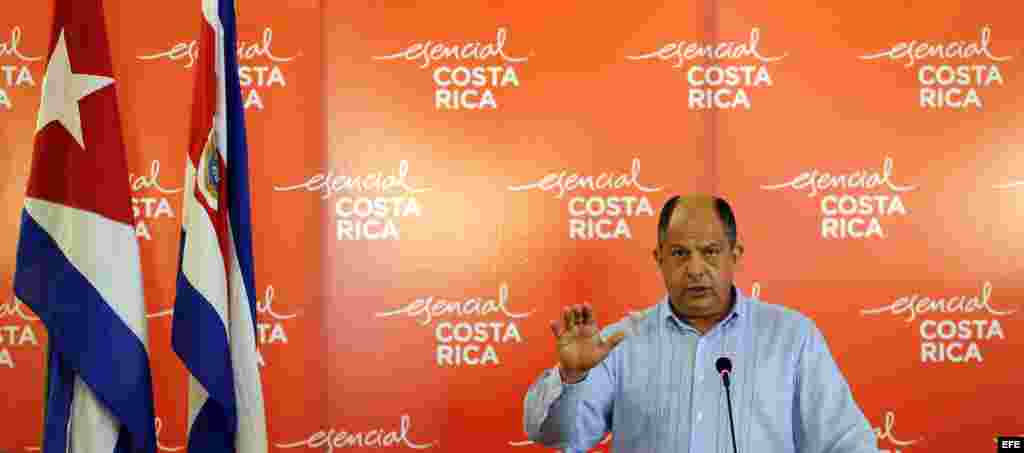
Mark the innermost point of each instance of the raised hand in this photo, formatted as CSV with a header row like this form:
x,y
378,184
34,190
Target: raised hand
x,y
580,346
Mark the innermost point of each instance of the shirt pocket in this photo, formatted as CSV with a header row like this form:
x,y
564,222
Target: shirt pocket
x,y
771,411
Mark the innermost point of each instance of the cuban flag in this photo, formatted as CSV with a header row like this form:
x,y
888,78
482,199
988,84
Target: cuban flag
x,y
78,264
214,330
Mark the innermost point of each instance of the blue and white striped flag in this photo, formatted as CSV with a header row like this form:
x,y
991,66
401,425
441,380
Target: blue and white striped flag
x,y
78,262
214,331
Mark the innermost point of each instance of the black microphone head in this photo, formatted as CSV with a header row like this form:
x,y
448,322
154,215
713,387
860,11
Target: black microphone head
x,y
723,365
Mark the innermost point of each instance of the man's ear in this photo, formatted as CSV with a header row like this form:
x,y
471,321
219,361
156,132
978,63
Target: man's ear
x,y
656,253
737,252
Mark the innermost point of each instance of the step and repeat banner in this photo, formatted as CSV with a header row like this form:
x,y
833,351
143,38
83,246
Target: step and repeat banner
x,y
433,183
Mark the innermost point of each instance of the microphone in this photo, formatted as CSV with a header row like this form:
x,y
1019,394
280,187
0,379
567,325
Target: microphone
x,y
724,367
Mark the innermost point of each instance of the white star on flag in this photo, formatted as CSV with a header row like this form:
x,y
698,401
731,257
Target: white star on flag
x,y
62,89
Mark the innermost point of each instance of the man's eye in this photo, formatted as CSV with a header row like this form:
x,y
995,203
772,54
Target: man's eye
x,y
679,252
712,252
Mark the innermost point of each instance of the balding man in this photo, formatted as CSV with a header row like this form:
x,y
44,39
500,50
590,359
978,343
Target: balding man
x,y
658,390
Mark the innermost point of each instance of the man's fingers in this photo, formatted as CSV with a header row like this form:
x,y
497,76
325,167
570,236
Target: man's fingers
x,y
556,329
574,317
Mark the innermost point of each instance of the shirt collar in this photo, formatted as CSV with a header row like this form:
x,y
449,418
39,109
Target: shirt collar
x,y
737,312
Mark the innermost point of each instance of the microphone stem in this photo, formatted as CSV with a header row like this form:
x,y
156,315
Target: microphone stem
x,y
732,429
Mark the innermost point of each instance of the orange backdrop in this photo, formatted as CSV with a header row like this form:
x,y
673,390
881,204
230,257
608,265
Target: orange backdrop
x,y
410,159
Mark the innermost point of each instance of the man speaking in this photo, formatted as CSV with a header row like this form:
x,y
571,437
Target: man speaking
x,y
664,387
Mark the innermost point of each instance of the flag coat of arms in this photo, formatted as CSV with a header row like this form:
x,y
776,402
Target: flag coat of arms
x,y
78,262
214,330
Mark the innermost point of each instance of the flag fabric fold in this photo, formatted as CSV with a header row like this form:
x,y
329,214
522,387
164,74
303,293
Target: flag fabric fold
x,y
214,326
77,263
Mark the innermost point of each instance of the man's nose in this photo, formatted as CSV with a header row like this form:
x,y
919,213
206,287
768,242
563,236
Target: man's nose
x,y
696,266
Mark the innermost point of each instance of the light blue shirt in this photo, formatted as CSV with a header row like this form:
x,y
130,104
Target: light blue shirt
x,y
658,391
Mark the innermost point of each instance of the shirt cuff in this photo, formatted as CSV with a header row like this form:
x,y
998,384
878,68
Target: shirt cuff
x,y
558,371
571,388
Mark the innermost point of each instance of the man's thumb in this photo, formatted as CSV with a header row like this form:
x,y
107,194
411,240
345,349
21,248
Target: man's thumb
x,y
615,339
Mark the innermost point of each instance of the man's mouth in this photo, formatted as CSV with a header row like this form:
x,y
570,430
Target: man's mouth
x,y
698,291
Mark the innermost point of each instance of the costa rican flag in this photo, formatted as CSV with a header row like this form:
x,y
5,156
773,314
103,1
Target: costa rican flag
x,y
78,262
214,330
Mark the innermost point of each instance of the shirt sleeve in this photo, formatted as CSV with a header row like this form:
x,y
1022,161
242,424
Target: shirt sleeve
x,y
582,414
542,393
551,409
828,419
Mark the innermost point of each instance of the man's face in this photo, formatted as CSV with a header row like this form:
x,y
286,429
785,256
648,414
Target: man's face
x,y
696,260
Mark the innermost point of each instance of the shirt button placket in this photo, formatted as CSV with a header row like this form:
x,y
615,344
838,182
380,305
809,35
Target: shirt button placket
x,y
696,394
